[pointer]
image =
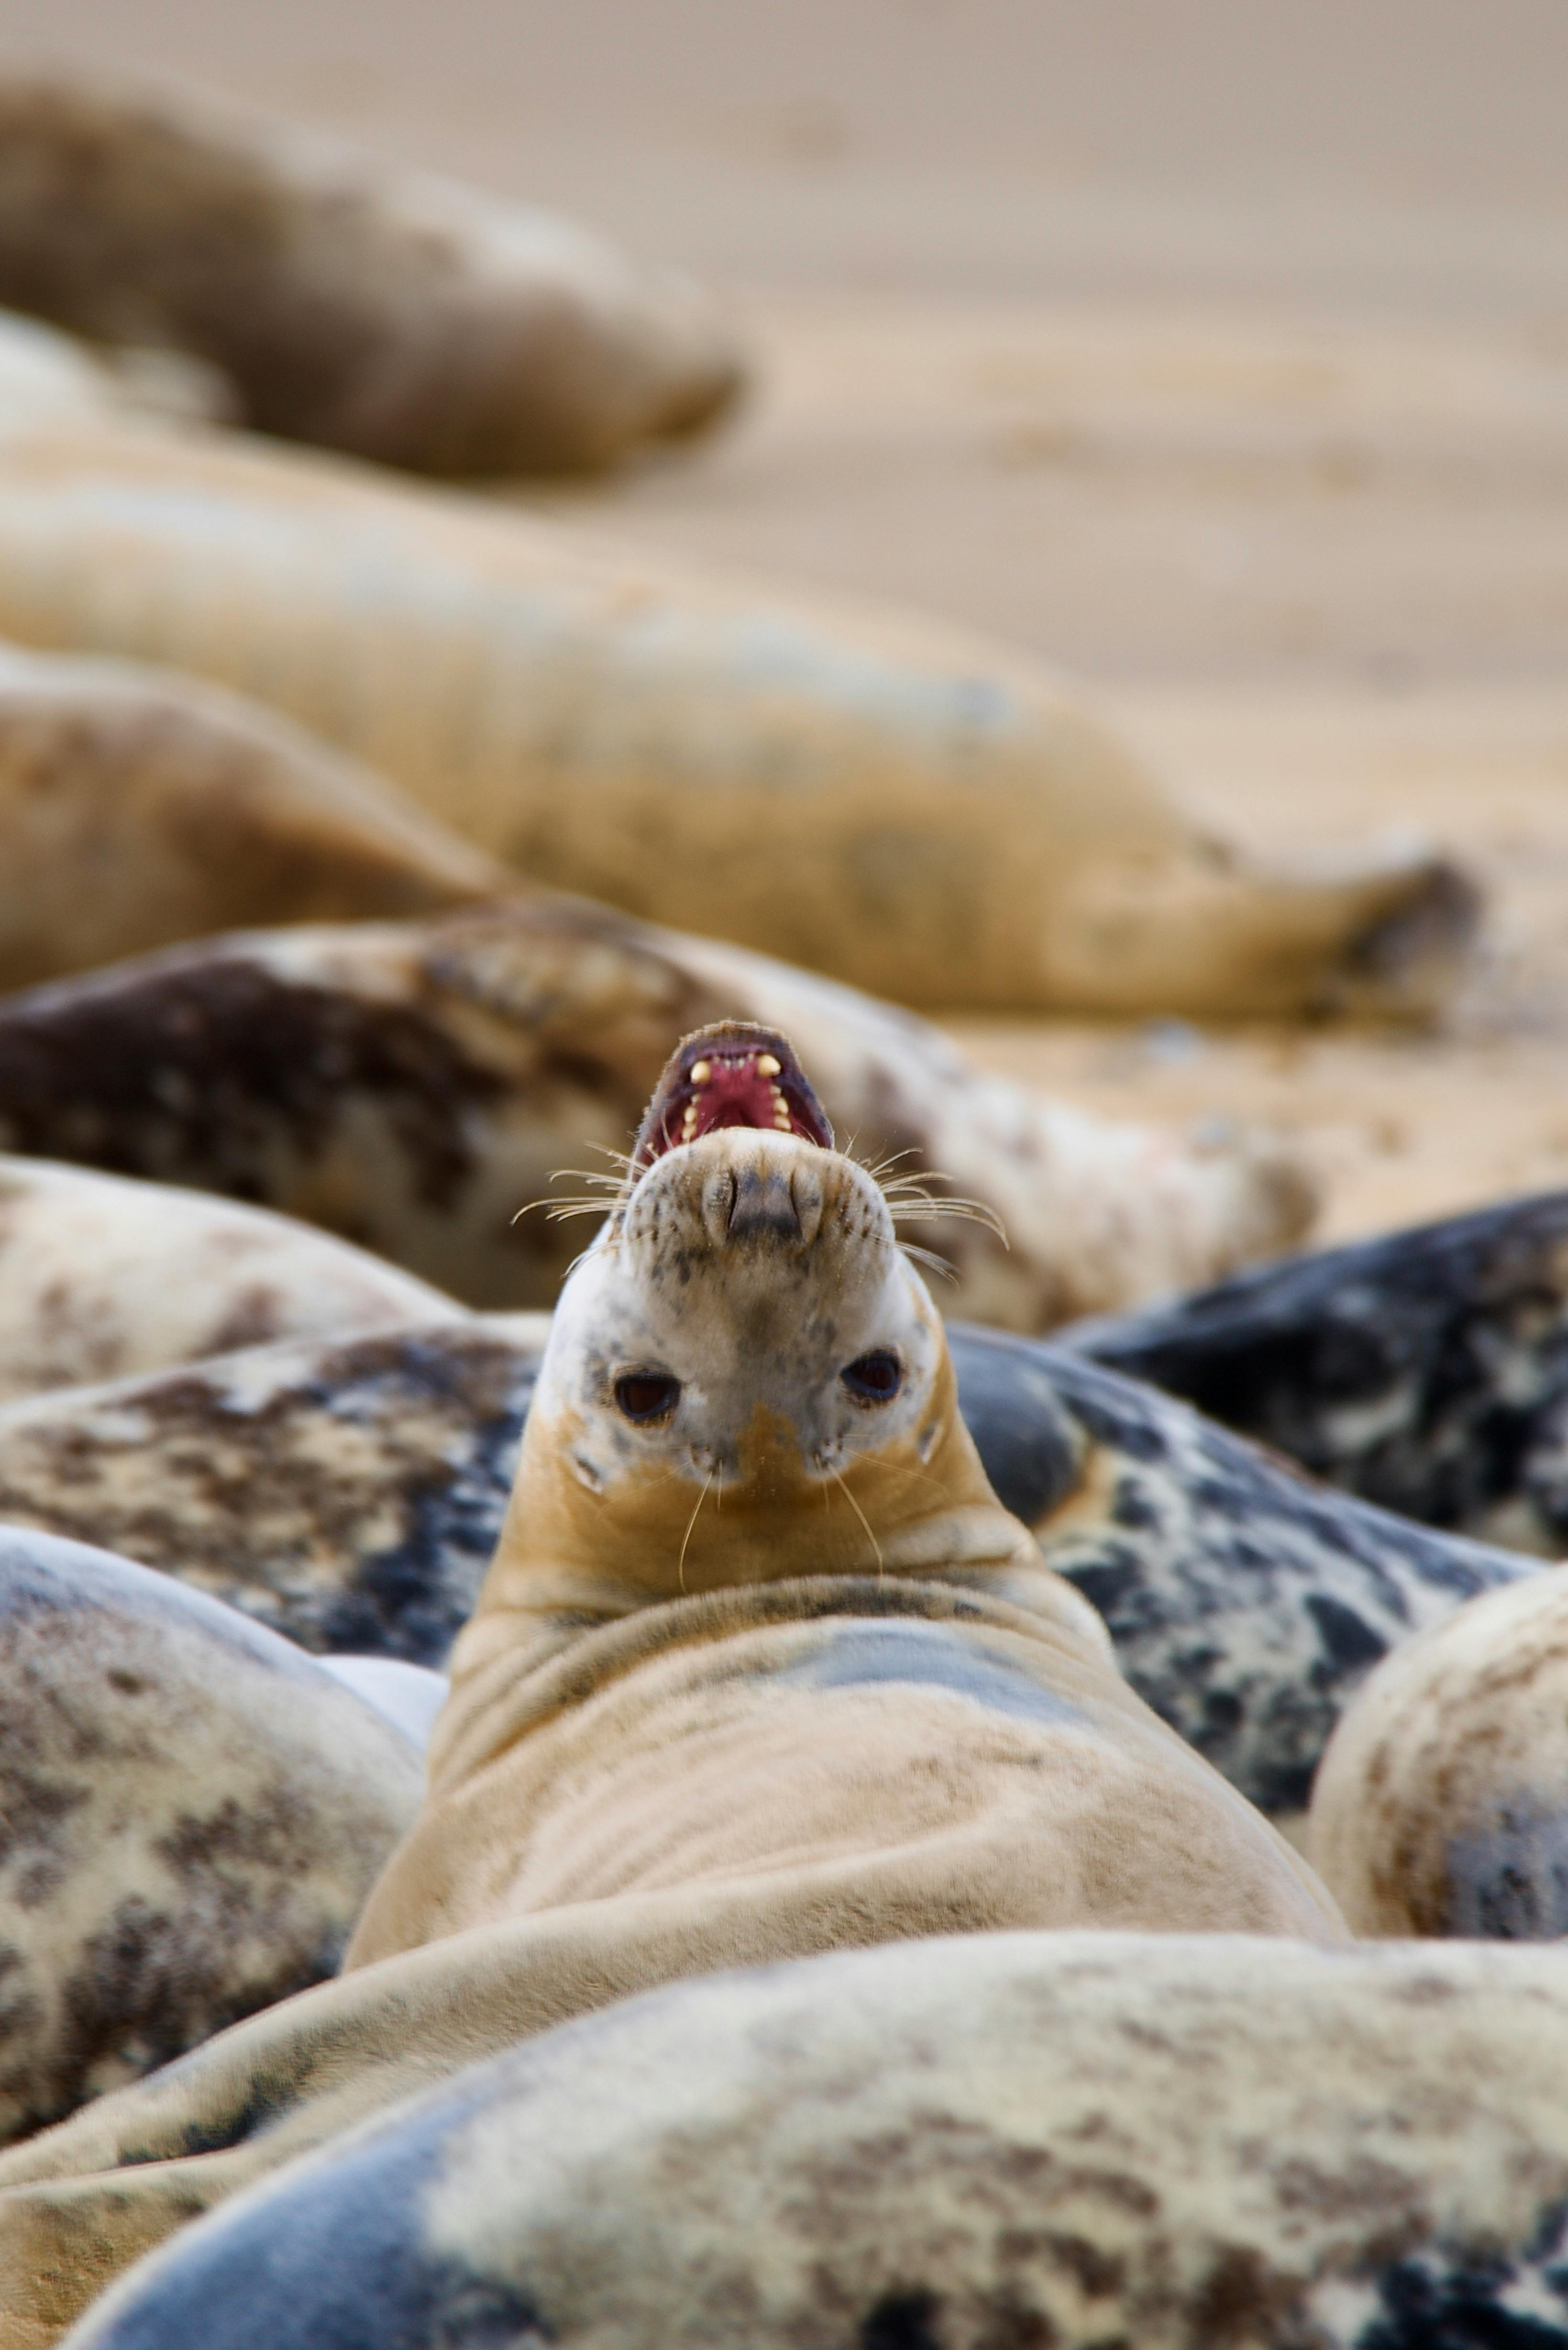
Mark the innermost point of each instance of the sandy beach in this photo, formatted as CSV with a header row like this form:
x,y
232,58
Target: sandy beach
x,y
1220,355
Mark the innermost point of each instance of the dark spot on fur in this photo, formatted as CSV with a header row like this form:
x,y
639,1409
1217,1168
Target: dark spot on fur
x,y
902,2321
191,1066
1133,1507
1241,2300
1428,2303
1351,1644
262,2103
1109,1585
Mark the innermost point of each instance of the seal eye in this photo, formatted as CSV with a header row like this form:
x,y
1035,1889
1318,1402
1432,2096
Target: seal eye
x,y
647,1395
875,1377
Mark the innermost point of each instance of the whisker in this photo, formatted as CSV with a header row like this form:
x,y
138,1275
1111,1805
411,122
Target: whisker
x,y
622,1159
681,1567
595,1175
902,1469
919,1207
864,1520
936,1265
882,1165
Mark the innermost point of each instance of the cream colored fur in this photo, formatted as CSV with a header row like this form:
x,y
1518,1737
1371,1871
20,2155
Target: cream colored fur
x,y
1441,1803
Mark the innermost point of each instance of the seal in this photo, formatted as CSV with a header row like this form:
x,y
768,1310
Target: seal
x,y
48,379
1441,1803
906,808
747,1331
1426,1370
761,1668
414,1085
407,320
345,1492
193,1815
139,807
101,1278
1073,2139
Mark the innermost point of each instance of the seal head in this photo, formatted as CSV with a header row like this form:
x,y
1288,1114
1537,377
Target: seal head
x,y
746,1379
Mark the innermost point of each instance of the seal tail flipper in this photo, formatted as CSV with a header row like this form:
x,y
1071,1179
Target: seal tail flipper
x,y
1380,933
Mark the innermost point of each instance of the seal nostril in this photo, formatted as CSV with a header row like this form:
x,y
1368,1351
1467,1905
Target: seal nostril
x,y
763,1205
875,1377
647,1395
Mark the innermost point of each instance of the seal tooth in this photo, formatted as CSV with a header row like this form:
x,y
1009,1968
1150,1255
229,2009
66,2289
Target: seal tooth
x,y
767,1066
700,1073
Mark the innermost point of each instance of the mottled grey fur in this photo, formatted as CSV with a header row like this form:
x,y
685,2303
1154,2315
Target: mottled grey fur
x,y
191,1813
1425,1370
999,2142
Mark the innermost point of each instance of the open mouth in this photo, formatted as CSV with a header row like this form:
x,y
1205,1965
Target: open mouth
x,y
731,1074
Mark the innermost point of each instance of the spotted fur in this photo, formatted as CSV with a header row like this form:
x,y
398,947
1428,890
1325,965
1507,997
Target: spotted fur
x,y
1004,2143
346,1494
413,1086
191,1816
1425,1370
1441,1808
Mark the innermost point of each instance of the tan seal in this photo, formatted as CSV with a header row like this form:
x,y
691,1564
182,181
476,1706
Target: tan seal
x,y
1441,1803
406,319
139,807
808,1650
922,812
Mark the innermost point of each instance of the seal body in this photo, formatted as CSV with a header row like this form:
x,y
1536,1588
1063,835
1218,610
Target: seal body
x,y
139,807
746,1395
1441,1803
413,1086
1069,2139
405,320
345,1492
1426,1370
100,1277
1246,1604
193,1813
914,811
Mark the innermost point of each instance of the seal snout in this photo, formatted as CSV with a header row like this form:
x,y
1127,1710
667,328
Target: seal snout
x,y
762,1199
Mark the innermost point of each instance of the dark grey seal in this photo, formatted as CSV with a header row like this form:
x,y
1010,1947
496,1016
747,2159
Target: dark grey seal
x,y
1425,1370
